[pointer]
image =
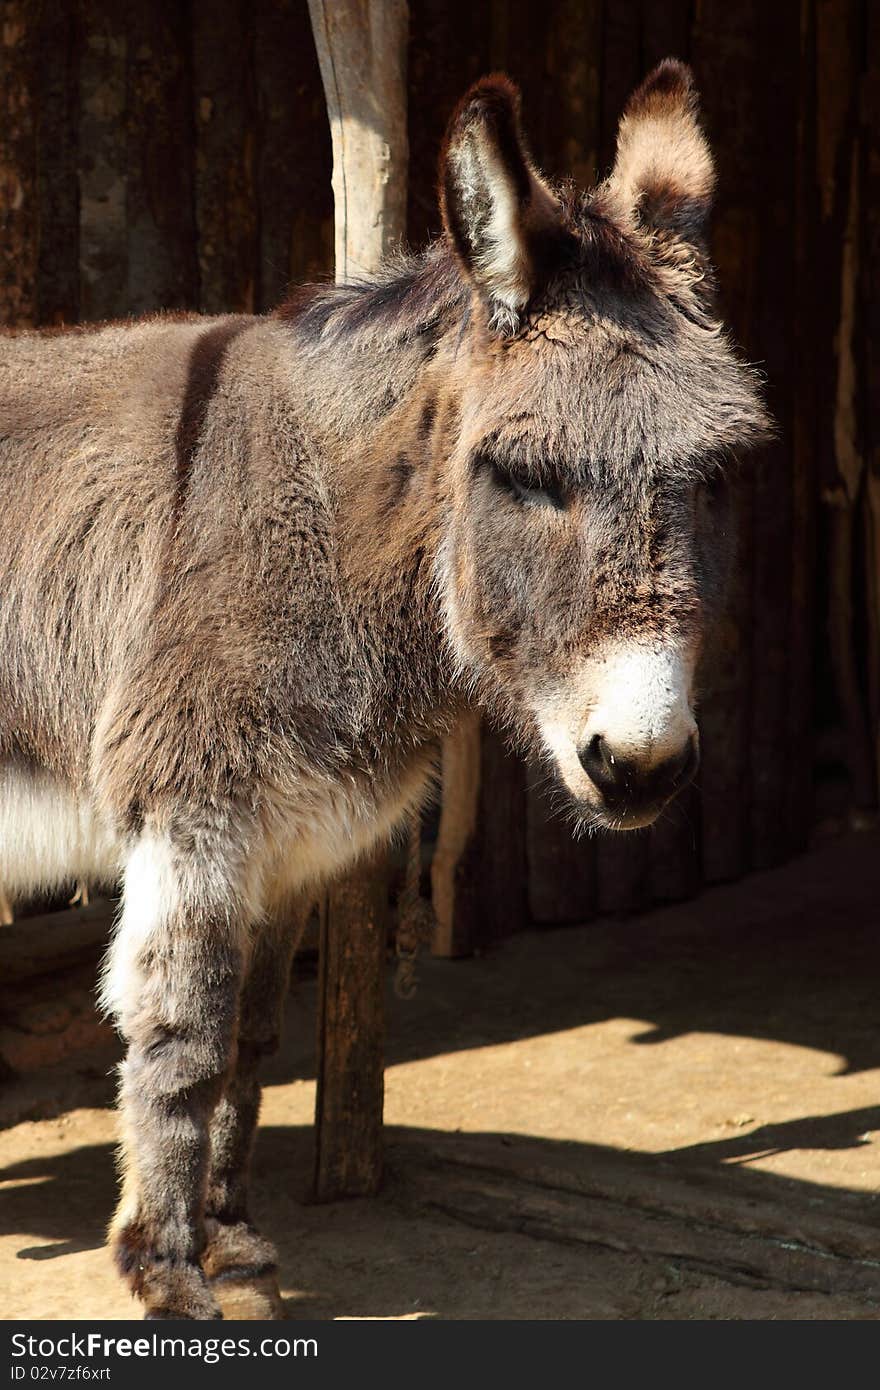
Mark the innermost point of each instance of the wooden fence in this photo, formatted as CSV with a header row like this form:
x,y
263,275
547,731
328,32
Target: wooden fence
x,y
177,154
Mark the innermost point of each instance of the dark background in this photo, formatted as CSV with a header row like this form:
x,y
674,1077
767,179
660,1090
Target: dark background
x,y
165,154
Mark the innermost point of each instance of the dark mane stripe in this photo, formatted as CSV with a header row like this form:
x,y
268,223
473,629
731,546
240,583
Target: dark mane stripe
x,y
205,364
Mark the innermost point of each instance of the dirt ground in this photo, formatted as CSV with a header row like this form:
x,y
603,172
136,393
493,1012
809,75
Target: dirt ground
x,y
672,1117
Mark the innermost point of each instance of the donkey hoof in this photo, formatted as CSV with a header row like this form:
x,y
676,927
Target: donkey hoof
x,y
177,1292
171,1289
246,1297
242,1269
174,1315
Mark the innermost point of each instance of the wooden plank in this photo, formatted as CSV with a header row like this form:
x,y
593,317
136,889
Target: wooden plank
x,y
674,850
362,48
103,161
562,869
775,194
351,1037
666,32
804,488
501,869
870,269
54,941
479,877
295,159
672,1211
452,886
570,135
162,271
58,181
723,50
621,71
224,116
18,168
519,45
449,49
838,72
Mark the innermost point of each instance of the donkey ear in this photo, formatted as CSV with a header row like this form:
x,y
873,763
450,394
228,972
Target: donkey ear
x,y
664,174
496,209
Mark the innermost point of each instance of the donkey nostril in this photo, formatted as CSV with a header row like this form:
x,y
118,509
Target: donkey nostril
x,y
598,761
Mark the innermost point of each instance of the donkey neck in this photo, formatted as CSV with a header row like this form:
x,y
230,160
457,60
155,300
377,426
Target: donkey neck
x,y
372,360
390,493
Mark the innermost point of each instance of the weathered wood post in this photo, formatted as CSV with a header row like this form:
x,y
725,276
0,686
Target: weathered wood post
x,y
361,48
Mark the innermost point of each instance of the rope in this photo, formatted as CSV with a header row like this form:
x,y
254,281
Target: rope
x,y
415,915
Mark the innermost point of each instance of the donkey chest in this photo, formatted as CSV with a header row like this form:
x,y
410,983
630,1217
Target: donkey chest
x,y
326,827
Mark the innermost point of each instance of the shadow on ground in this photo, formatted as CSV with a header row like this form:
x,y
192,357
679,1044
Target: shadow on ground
x,y
507,1226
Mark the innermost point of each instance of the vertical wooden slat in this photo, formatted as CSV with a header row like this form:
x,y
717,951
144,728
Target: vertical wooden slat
x,y
452,866
519,46
294,157
224,117
838,74
160,193
621,70
870,338
805,407
775,193
501,859
103,161
571,86
351,1037
58,146
479,871
362,49
562,869
723,50
449,48
18,176
666,31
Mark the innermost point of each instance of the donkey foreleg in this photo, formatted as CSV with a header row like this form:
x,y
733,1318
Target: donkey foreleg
x,y
173,983
241,1264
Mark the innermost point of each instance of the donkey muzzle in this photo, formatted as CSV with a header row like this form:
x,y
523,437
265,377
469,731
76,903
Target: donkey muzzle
x,y
635,789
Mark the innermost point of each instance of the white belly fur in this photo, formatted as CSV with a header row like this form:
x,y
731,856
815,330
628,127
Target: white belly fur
x,y
49,836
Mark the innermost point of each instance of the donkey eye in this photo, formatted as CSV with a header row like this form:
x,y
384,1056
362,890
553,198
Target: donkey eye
x,y
527,494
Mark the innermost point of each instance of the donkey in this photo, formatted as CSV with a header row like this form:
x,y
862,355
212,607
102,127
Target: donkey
x,y
252,568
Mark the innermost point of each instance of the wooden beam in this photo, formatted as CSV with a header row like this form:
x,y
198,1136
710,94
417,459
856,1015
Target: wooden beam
x,y
351,1036
225,175
723,44
293,142
362,52
18,165
52,941
361,47
478,874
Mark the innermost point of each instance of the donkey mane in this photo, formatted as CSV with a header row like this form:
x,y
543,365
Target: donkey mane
x,y
411,295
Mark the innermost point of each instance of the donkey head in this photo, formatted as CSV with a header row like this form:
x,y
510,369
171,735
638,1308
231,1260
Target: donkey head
x,y
597,401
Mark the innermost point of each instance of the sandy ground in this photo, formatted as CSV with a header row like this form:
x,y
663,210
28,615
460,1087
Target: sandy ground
x,y
672,1117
